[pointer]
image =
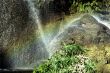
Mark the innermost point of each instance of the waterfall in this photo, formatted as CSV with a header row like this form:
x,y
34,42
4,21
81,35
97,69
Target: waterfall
x,y
35,16
50,43
56,39
106,23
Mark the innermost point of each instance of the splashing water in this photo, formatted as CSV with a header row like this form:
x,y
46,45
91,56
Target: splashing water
x,y
57,38
35,16
51,43
106,23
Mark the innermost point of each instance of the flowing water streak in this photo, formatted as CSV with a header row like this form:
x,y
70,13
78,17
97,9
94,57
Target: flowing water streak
x,y
35,15
107,24
53,42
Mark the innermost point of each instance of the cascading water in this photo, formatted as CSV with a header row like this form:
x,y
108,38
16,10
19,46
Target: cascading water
x,y
106,23
50,43
34,12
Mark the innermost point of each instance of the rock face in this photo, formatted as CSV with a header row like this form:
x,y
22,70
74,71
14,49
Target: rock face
x,y
13,19
19,43
53,10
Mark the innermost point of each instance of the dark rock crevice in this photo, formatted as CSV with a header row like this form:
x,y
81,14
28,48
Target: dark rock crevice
x,y
4,64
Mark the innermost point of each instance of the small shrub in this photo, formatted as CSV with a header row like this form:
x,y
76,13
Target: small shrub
x,y
67,60
88,6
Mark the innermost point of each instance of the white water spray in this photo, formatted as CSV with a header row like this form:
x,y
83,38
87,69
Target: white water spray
x,y
56,39
35,15
106,23
52,42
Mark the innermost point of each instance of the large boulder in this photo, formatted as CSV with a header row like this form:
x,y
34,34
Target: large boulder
x,y
89,31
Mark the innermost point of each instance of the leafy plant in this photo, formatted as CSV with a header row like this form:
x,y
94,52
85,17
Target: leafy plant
x,y
66,60
85,6
90,66
73,49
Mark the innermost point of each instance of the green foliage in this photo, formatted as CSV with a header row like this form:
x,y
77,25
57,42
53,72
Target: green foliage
x,y
35,70
65,60
90,66
72,50
85,6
